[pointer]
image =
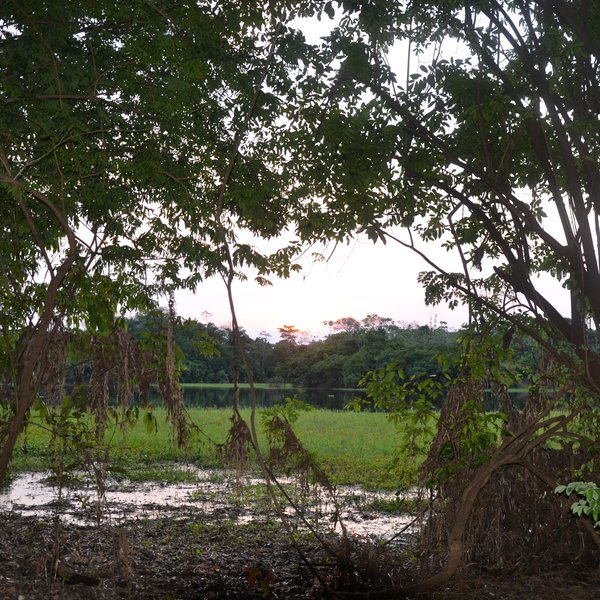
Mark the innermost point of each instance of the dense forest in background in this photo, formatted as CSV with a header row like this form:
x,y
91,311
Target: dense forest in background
x,y
340,360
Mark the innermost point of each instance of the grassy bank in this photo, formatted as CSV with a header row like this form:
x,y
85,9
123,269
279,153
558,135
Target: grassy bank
x,y
353,448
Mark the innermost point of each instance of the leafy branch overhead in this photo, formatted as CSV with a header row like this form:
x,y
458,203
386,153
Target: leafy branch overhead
x,y
117,127
475,126
116,131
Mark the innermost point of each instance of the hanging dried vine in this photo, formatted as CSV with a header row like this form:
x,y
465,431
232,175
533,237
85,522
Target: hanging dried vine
x,y
169,384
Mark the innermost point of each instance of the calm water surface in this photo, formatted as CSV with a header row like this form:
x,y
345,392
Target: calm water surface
x,y
214,493
222,397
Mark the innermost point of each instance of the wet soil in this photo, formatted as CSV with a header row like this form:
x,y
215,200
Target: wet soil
x,y
206,538
175,552
154,559
192,558
202,491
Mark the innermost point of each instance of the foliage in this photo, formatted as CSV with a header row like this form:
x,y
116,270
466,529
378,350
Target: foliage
x,y
137,141
120,126
205,351
342,358
408,402
354,448
290,411
285,448
589,503
73,447
490,150
483,140
476,436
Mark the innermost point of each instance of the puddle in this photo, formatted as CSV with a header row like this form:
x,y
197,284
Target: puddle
x,y
214,493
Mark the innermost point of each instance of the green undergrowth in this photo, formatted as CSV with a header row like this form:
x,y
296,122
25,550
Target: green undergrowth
x,y
352,448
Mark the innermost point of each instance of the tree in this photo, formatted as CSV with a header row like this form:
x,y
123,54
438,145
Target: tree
x,y
484,139
377,322
119,132
343,324
289,334
481,152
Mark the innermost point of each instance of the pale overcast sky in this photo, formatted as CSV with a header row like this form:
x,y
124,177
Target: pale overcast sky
x,y
360,279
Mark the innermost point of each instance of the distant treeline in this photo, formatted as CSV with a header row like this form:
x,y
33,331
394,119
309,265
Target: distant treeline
x,y
339,360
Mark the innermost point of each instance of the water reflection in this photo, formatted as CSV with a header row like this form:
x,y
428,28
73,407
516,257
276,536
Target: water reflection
x,y
216,397
215,493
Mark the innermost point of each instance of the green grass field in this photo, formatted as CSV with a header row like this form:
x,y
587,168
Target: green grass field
x,y
353,448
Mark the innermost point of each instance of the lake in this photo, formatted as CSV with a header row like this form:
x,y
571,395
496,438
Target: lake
x,y
332,399
218,397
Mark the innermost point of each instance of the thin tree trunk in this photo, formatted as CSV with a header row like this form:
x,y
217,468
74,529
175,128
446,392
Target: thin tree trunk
x,y
27,386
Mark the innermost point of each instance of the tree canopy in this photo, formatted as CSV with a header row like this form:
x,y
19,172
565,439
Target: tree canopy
x,y
474,125
340,360
119,132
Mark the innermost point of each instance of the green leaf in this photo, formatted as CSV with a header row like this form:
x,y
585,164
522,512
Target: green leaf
x,y
150,422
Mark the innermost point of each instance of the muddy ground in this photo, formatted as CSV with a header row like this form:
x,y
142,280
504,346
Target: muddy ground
x,y
199,558
160,558
210,539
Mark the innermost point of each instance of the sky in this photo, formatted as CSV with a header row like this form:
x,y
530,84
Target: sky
x,y
359,279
